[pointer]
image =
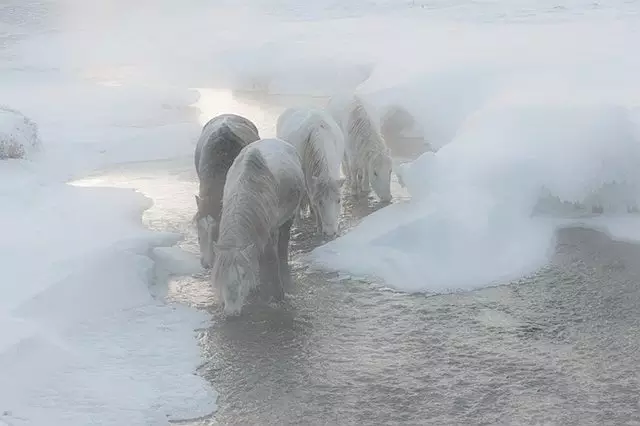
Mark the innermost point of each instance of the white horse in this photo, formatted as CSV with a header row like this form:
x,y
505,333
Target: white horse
x,y
320,144
264,188
220,142
367,163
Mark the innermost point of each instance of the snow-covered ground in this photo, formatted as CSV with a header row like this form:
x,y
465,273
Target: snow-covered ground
x,y
516,96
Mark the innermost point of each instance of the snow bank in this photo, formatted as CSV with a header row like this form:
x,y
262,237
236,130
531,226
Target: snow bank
x,y
18,134
80,328
82,339
516,114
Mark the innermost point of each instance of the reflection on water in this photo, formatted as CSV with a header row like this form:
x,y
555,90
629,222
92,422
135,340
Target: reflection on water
x,y
557,348
560,347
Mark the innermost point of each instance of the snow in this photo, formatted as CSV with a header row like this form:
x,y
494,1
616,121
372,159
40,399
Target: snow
x,y
83,338
517,114
80,328
514,96
18,134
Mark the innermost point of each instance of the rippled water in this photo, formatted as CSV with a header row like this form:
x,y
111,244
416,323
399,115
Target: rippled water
x,y
561,347
558,348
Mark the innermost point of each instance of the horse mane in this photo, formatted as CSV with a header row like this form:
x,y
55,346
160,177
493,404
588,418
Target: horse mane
x,y
359,123
246,211
312,156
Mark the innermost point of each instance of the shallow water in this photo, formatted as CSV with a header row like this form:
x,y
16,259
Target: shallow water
x,y
560,347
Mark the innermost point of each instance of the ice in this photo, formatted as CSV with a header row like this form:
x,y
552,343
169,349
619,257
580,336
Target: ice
x,y
83,340
79,325
18,134
177,261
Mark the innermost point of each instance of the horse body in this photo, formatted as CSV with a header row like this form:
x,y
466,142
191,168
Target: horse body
x,y
366,163
220,142
320,144
264,188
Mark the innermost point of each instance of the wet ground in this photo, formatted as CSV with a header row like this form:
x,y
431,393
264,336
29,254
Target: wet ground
x,y
561,347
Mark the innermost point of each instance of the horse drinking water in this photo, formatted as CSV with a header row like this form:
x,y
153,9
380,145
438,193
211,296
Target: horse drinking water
x,y
367,163
220,142
264,188
320,144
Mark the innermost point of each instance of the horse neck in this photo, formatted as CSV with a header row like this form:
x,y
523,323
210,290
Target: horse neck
x,y
368,140
212,191
314,158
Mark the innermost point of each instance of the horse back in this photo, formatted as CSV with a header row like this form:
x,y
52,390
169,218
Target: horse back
x,y
221,141
316,136
269,170
284,163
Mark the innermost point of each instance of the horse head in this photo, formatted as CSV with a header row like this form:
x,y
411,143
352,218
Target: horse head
x,y
380,175
207,230
325,199
235,272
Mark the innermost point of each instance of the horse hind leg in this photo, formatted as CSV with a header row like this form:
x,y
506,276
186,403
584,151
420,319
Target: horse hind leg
x,y
283,255
346,170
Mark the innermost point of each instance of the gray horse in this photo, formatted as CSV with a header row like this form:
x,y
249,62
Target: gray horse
x,y
221,140
263,192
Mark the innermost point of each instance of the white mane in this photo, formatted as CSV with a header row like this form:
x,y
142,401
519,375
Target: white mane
x,y
319,140
362,130
249,202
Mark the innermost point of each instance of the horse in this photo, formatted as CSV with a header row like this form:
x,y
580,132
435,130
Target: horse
x,y
367,162
220,142
320,144
264,188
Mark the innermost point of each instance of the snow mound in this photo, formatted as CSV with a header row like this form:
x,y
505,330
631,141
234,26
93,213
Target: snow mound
x,y
79,326
469,221
508,134
18,134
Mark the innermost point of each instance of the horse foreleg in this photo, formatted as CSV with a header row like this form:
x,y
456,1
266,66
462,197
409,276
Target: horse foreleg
x,y
318,221
270,268
283,255
365,187
297,219
359,179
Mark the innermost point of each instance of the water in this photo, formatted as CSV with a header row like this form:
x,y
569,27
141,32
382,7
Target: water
x,y
559,347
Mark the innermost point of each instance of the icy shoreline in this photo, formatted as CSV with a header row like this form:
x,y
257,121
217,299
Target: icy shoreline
x,y
83,339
